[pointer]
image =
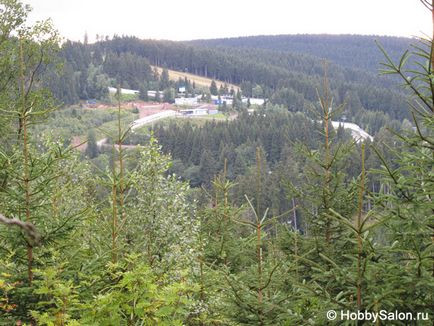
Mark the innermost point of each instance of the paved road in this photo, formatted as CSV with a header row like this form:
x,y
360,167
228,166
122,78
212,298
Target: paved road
x,y
356,132
143,121
152,118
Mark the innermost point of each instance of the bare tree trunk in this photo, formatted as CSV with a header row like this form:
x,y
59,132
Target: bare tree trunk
x,y
359,232
26,172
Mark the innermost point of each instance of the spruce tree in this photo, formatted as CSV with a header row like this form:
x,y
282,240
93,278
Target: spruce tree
x,y
39,172
407,205
213,88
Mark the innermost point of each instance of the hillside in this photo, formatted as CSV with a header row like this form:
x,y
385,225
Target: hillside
x,y
353,51
284,77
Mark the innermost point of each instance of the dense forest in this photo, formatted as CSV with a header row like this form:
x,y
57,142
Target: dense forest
x,y
352,51
269,218
230,147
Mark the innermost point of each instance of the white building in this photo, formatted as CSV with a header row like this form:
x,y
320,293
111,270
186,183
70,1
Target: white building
x,y
153,94
186,101
219,100
194,112
113,90
254,101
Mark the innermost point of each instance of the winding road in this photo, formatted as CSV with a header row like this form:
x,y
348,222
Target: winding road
x,y
144,121
357,133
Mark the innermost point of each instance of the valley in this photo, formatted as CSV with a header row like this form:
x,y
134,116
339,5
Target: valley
x,y
281,179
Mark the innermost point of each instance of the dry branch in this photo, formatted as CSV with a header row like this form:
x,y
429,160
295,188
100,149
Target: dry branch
x,y
28,228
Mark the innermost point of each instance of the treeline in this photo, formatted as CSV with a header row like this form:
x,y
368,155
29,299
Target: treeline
x,y
204,149
88,71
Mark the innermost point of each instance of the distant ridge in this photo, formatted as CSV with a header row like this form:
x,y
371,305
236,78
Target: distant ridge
x,y
355,51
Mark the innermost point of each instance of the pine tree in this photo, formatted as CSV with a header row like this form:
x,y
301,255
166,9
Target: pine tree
x,y
207,167
143,92
169,95
164,80
213,88
39,173
92,147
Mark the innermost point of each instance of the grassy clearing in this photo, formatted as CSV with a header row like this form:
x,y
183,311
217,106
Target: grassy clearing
x,y
124,98
199,80
110,128
196,121
73,124
218,116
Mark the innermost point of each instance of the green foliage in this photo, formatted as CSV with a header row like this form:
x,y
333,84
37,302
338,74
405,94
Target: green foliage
x,y
164,80
92,147
169,95
67,123
162,206
407,205
213,88
289,98
140,296
58,299
128,69
143,93
8,284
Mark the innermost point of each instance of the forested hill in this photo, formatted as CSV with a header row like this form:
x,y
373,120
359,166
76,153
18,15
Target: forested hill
x,y
355,51
285,76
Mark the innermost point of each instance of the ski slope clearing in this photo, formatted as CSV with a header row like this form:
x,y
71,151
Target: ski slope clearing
x,y
199,80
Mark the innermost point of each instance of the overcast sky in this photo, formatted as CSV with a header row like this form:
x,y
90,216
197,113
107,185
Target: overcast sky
x,y
194,19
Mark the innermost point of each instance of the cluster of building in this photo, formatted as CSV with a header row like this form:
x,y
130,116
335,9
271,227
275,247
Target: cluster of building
x,y
216,100
194,105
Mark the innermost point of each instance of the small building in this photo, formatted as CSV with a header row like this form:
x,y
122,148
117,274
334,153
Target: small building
x,y
211,109
153,94
113,90
219,100
254,101
194,112
186,101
